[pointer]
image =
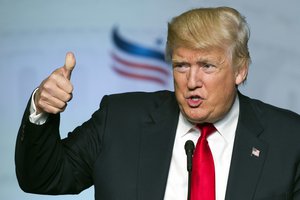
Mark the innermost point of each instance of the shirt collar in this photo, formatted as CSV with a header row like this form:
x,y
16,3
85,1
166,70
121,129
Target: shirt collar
x,y
226,127
184,125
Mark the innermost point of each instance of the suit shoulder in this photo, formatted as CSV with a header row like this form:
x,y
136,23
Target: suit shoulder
x,y
143,95
273,112
139,99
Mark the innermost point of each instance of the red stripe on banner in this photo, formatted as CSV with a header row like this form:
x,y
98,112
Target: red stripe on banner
x,y
141,66
138,76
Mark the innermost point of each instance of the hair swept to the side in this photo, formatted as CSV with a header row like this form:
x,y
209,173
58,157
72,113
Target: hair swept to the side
x,y
205,28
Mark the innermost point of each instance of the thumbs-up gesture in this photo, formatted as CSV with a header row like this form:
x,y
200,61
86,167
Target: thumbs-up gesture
x,y
56,90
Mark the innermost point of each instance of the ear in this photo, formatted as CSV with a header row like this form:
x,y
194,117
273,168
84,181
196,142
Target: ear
x,y
241,74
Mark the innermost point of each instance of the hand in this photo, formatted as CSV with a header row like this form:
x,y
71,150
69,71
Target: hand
x,y
56,90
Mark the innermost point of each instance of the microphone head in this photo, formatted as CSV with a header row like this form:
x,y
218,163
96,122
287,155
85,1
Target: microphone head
x,y
189,147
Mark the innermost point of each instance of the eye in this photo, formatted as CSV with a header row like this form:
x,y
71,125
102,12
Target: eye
x,y
180,67
207,65
208,68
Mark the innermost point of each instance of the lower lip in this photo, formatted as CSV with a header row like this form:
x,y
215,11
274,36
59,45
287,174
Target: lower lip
x,y
194,103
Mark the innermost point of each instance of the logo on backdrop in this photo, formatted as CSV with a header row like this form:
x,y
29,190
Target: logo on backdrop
x,y
135,61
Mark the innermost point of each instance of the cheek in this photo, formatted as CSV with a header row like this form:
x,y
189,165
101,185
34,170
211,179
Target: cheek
x,y
223,97
220,90
179,81
179,87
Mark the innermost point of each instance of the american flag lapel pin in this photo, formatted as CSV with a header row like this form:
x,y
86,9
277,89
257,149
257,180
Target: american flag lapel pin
x,y
255,152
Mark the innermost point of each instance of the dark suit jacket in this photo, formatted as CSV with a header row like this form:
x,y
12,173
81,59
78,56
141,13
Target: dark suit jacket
x,y
125,149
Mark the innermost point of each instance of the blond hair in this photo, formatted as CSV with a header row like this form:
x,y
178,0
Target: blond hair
x,y
206,28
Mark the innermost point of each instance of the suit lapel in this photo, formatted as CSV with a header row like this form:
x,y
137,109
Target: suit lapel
x,y
248,155
157,141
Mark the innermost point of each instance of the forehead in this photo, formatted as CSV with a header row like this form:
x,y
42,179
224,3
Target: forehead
x,y
182,54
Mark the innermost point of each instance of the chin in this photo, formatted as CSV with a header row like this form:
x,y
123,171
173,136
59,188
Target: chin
x,y
195,118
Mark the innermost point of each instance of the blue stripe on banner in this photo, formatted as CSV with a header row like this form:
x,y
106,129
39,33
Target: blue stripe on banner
x,y
135,49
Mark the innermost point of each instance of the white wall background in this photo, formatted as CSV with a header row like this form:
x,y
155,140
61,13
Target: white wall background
x,y
36,34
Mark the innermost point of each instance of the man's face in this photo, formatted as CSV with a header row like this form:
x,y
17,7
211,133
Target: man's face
x,y
205,83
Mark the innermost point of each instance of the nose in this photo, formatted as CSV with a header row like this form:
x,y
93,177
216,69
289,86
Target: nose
x,y
194,78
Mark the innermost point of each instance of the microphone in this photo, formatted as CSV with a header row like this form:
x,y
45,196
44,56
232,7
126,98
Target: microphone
x,y
189,150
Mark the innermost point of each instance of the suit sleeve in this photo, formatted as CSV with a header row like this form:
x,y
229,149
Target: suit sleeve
x,y
296,192
47,164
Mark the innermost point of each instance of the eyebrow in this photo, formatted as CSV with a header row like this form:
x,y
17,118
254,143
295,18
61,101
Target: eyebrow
x,y
200,60
179,61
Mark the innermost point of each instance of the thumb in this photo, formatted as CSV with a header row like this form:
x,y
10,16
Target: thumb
x,y
69,64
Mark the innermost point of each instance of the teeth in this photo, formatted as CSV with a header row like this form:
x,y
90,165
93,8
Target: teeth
x,y
195,98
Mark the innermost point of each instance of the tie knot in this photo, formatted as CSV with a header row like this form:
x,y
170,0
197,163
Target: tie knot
x,y
206,129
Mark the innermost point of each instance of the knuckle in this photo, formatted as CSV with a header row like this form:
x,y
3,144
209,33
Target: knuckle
x,y
47,85
63,108
41,105
70,97
56,111
69,88
43,96
62,105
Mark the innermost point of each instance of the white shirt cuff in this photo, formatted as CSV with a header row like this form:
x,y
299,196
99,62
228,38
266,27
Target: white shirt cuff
x,y
35,118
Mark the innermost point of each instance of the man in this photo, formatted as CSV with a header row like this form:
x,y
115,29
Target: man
x,y
132,147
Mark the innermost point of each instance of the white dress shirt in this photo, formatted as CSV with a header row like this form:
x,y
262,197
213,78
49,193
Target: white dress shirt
x,y
220,142
221,145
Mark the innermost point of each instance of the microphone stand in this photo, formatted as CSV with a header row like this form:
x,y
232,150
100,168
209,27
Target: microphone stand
x,y
189,150
189,186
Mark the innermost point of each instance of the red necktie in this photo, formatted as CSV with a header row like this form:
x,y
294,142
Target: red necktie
x,y
203,170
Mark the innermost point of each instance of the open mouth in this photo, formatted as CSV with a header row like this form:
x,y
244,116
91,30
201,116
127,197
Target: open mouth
x,y
194,101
